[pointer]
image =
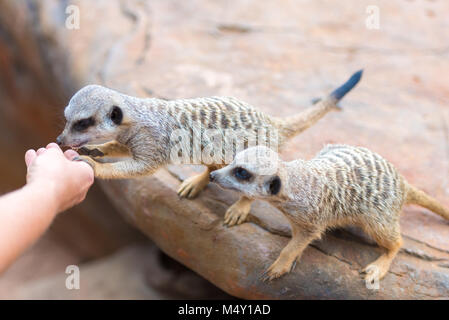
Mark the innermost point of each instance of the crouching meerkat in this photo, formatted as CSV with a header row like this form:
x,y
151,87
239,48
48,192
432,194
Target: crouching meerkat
x,y
102,122
342,185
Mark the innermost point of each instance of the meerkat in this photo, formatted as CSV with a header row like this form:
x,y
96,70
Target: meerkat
x,y
101,122
342,185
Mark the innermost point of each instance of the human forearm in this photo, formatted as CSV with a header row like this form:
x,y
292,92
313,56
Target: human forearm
x,y
54,184
25,214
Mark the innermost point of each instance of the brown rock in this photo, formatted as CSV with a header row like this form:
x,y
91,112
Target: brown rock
x,y
135,272
278,56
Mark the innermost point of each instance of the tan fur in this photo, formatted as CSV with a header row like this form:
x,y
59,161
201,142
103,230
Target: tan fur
x,y
342,185
300,122
415,196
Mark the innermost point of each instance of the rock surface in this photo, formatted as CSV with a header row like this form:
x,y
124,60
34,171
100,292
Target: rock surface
x,y
135,272
276,55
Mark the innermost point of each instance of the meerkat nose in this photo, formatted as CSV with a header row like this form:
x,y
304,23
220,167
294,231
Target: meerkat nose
x,y
59,140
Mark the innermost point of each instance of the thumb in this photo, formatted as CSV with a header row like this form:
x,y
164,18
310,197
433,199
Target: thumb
x,y
70,154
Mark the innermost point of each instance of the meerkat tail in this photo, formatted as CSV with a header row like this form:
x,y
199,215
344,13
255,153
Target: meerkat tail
x,y
416,196
310,116
341,91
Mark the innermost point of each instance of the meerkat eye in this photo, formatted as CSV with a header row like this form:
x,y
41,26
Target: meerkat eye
x,y
242,174
83,124
116,115
274,185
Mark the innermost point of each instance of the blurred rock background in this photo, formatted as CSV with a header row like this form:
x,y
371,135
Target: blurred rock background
x,y
119,261
276,55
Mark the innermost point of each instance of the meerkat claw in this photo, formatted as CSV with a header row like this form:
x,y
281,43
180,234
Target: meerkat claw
x,y
269,276
276,270
90,152
83,151
266,276
375,271
190,187
236,214
85,159
187,190
234,218
370,273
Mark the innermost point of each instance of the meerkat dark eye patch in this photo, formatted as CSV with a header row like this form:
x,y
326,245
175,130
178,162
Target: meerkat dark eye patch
x,y
83,124
116,115
242,174
274,185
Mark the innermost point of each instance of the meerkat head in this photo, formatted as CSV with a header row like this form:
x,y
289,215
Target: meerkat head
x,y
94,115
256,172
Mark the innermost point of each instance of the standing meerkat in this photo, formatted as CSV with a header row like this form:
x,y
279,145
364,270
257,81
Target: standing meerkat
x,y
342,185
103,122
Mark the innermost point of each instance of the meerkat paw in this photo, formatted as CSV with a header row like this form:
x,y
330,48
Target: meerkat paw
x,y
277,269
87,160
236,214
375,271
192,186
94,152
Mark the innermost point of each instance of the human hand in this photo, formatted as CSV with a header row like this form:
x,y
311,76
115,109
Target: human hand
x,y
67,181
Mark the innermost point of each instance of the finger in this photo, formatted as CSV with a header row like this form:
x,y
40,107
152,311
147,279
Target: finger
x,y
30,155
53,145
70,154
40,151
86,171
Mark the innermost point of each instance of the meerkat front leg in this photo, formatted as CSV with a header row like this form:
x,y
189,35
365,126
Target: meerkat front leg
x,y
109,149
237,213
291,253
190,187
129,168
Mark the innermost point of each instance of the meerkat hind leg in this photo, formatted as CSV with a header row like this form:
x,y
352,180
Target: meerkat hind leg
x,y
290,254
190,187
237,213
392,243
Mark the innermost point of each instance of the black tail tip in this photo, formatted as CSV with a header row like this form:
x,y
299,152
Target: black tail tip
x,y
341,91
356,76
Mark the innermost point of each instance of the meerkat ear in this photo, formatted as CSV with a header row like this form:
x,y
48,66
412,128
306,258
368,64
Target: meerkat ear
x,y
274,185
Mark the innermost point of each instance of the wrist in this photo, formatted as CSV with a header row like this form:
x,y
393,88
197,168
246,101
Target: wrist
x,y
45,192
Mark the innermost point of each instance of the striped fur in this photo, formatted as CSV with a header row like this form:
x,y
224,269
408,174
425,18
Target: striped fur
x,y
342,185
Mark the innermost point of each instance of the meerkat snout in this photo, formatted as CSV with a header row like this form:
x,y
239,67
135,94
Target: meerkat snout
x,y
59,140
